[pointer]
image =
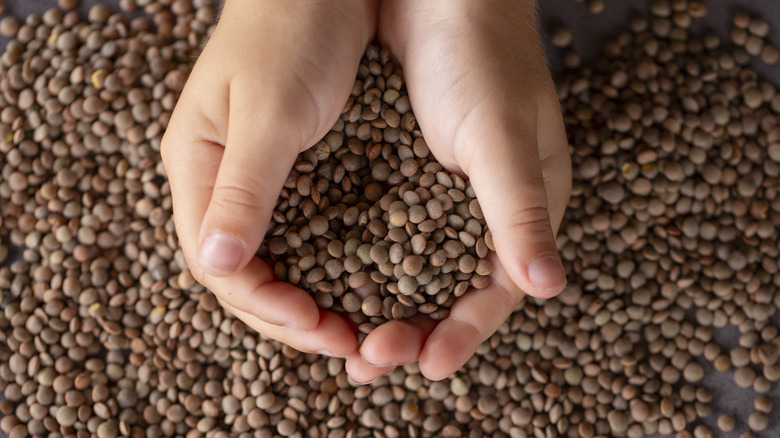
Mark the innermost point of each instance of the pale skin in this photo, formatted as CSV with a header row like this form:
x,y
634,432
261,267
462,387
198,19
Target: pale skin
x,y
272,81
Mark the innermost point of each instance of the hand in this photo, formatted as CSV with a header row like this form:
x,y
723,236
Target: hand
x,y
486,103
272,81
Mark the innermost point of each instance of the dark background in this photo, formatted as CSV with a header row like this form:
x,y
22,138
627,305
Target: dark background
x,y
589,32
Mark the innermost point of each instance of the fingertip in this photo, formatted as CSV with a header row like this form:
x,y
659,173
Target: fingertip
x,y
221,255
396,342
448,348
433,374
382,347
546,276
361,372
333,329
536,268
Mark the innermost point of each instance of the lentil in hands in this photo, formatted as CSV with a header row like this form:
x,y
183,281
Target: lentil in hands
x,y
244,121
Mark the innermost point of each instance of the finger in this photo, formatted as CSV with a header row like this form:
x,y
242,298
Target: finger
x,y
255,291
362,372
331,337
473,318
391,344
191,164
256,162
506,173
396,342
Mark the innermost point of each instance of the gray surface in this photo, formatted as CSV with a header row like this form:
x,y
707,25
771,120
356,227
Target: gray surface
x,y
590,31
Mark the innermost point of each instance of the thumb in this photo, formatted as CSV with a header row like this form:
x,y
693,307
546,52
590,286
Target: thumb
x,y
506,174
256,161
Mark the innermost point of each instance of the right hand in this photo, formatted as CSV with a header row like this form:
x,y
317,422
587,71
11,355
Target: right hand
x,y
485,100
270,83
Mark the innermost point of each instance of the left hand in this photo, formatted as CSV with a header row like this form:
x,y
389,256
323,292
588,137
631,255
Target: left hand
x,y
484,98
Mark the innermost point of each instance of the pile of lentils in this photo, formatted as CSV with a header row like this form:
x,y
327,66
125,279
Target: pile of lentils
x,y
671,237
370,205
670,240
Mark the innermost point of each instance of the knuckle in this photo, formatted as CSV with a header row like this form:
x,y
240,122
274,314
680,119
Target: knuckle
x,y
530,220
233,197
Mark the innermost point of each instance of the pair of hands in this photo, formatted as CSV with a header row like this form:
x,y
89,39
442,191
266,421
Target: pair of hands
x,y
273,80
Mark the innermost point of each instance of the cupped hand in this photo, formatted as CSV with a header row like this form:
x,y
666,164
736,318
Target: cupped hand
x,y
271,81
485,101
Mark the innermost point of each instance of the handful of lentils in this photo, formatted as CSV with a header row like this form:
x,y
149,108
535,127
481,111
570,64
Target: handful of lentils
x,y
369,203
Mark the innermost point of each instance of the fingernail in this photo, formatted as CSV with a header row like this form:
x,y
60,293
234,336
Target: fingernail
x,y
327,353
547,272
221,254
362,383
384,365
292,326
375,365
